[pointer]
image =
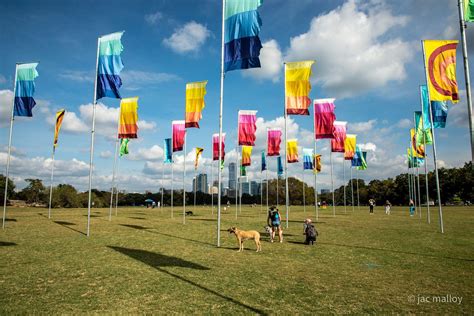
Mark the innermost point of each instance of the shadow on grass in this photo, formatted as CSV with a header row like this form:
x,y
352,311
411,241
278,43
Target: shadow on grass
x,y
64,223
203,219
295,242
67,225
7,243
132,217
158,261
396,251
10,220
134,226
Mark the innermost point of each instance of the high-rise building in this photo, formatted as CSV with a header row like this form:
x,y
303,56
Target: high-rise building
x,y
254,188
201,183
232,176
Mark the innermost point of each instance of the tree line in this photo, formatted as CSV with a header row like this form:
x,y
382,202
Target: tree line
x,y
456,185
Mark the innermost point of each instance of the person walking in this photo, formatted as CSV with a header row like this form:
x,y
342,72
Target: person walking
x,y
274,220
388,207
371,206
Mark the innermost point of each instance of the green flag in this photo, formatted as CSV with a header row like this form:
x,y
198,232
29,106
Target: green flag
x,y
469,10
124,146
243,171
422,135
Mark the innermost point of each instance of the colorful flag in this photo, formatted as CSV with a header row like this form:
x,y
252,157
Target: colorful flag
x,y
179,131
25,89
292,150
440,65
357,159
128,127
195,92
413,162
59,121
317,163
279,166
263,162
215,147
439,110
425,101
337,143
363,165
349,146
167,157
124,146
247,127
422,135
273,142
297,87
109,66
418,151
324,118
307,159
246,155
242,25
243,171
199,151
469,10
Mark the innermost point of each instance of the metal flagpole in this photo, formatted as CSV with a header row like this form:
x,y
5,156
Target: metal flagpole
x,y
114,169
195,185
332,186
91,162
418,185
184,178
261,190
440,210
304,195
116,189
413,184
409,181
344,182
51,185
358,201
314,170
172,180
162,179
426,164
237,184
266,185
278,190
240,182
466,74
12,118
286,163
212,186
352,190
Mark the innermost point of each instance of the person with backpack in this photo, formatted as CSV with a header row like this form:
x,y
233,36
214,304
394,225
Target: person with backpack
x,y
274,220
371,206
309,231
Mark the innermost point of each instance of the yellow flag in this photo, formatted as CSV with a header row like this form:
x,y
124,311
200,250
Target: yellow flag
x,y
418,151
440,65
59,121
349,146
292,150
198,154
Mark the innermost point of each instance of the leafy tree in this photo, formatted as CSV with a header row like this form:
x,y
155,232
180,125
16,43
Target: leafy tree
x,y
11,187
34,192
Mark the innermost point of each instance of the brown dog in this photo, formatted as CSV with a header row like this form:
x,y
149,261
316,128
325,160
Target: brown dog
x,y
243,235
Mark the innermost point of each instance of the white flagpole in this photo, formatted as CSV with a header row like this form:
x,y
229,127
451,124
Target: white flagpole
x,y
344,182
440,210
116,189
51,185
278,190
414,184
114,168
466,74
315,173
266,185
409,179
426,163
240,182
212,186
304,194
352,190
195,185
261,191
184,178
358,202
237,182
332,186
286,163
162,180
172,179
418,185
91,162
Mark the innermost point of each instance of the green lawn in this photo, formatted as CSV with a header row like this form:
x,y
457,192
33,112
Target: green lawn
x,y
144,261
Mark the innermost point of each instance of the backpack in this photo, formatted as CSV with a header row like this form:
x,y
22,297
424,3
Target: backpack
x,y
311,231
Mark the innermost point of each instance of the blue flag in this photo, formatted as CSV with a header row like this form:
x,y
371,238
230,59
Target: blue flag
x,y
264,162
280,166
167,151
307,159
25,89
440,113
425,109
357,159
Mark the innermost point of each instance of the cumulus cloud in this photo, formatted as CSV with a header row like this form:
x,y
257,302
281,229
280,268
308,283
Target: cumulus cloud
x,y
78,75
361,127
135,79
368,147
153,153
6,98
153,18
105,154
271,60
405,123
188,39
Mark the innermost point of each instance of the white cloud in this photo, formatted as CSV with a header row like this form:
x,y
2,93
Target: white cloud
x,y
271,61
352,48
405,123
105,154
3,79
153,18
78,76
188,39
135,79
72,123
6,99
361,127
153,153
145,125
368,147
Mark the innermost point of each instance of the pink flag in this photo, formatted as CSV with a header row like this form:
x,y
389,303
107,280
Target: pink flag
x,y
274,141
247,127
324,118
215,146
179,131
337,143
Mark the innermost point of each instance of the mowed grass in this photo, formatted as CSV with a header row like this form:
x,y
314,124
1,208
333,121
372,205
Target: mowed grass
x,y
145,262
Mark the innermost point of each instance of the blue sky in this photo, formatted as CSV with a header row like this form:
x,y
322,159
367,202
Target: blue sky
x,y
367,53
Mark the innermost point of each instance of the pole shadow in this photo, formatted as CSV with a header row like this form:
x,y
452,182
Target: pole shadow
x,y
134,226
68,226
133,217
7,243
159,261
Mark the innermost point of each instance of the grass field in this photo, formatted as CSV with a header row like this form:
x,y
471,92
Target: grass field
x,y
144,261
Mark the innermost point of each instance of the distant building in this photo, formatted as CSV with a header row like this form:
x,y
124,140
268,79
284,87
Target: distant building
x,y
325,191
254,188
232,176
201,185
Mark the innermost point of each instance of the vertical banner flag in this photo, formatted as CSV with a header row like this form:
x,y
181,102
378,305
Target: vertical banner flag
x,y
357,159
274,141
349,146
337,143
199,151
413,161
440,113
317,163
195,92
242,25
109,66
440,64
422,135
246,155
307,159
215,146
179,131
279,166
128,127
124,146
469,10
418,151
363,164
247,127
297,87
243,171
25,89
292,150
324,118
57,127
264,162
167,151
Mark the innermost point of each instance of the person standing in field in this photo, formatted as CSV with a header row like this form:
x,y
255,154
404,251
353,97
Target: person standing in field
x,y
388,207
274,220
371,206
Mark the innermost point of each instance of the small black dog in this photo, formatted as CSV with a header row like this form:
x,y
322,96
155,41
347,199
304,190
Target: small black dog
x,y
189,213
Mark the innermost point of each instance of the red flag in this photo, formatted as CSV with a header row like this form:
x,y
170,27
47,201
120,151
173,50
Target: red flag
x,y
215,146
273,142
324,118
247,127
179,131
337,143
